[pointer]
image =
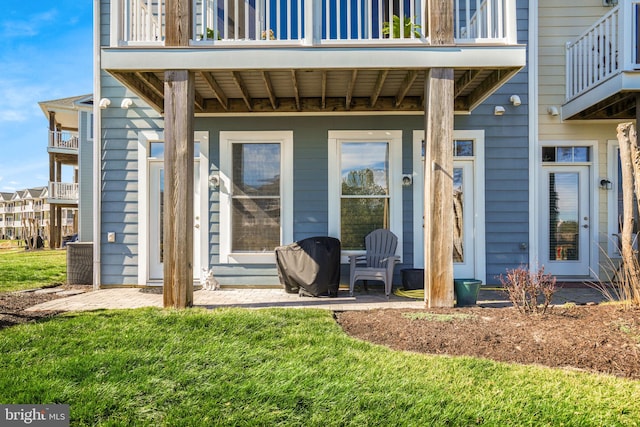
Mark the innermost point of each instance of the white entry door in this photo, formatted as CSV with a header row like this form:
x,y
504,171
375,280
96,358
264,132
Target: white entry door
x,y
565,220
468,194
156,205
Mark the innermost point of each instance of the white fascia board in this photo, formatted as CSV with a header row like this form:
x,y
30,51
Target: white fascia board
x,y
133,59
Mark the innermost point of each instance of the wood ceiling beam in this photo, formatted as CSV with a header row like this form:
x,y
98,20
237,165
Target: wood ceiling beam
x,y
352,84
157,85
154,83
464,81
489,85
215,88
270,93
382,76
296,90
142,89
315,105
406,85
323,94
237,79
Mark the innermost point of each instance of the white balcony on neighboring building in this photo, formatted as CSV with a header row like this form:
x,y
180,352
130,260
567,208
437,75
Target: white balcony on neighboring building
x,y
63,193
64,142
603,67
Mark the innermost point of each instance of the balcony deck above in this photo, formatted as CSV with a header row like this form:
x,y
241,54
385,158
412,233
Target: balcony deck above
x,y
295,56
603,67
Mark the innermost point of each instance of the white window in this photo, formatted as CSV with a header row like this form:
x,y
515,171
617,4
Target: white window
x,y
365,186
256,195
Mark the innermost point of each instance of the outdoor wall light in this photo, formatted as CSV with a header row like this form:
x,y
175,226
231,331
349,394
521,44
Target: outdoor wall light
x,y
609,3
605,184
515,100
104,103
407,180
126,103
553,111
498,110
214,180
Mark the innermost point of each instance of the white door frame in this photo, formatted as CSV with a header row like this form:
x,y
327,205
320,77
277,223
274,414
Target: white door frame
x,y
144,140
563,267
478,232
594,196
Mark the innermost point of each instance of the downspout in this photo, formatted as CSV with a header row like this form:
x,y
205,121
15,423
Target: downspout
x,y
533,134
97,145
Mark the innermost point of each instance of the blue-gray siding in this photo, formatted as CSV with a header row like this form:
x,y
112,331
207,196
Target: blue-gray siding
x,y
506,175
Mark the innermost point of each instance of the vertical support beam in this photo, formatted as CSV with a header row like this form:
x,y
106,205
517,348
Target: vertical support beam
x,y
438,176
179,91
58,212
178,22
438,185
179,97
52,178
638,107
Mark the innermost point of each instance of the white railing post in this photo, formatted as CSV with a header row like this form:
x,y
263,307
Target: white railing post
x,y
510,22
115,23
626,37
309,21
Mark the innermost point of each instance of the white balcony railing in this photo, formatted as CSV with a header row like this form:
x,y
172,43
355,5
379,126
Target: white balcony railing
x,y
607,48
63,191
65,140
312,22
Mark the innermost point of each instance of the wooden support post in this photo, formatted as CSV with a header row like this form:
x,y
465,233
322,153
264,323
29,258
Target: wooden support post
x,y
52,178
438,167
178,189
179,97
52,212
438,188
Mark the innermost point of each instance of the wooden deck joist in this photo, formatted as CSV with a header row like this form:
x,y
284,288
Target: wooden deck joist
x,y
316,91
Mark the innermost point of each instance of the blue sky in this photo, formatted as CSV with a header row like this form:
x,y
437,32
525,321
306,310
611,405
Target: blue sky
x,y
45,54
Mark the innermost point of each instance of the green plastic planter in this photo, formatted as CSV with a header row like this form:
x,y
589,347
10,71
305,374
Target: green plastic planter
x,y
466,291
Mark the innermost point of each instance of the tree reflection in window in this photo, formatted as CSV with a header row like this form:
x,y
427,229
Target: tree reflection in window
x,y
364,204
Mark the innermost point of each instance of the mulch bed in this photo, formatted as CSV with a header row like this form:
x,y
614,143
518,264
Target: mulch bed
x,y
13,304
600,338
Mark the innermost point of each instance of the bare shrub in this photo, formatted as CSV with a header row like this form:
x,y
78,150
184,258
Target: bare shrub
x,y
621,284
530,292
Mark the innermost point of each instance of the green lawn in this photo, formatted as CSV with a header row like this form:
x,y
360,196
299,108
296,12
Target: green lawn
x,y
281,367
20,269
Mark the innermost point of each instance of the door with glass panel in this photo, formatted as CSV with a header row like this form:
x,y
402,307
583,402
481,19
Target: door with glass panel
x,y
468,203
156,211
463,211
565,220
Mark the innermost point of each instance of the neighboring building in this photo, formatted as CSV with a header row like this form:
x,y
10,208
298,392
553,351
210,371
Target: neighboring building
x,y
587,79
25,213
70,148
307,118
